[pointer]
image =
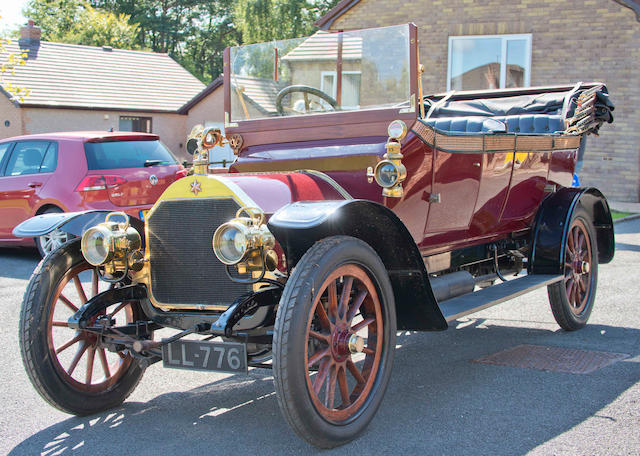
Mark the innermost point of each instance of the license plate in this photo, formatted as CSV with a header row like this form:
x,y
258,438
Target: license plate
x,y
143,214
208,356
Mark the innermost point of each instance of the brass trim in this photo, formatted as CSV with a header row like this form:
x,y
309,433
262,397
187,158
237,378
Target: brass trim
x,y
144,276
329,180
533,143
488,143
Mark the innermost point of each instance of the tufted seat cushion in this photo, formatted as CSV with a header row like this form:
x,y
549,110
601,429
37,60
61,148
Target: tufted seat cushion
x,y
523,124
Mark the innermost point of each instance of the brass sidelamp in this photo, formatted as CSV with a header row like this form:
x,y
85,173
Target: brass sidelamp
x,y
389,173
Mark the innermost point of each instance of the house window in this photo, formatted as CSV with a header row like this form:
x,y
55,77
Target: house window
x,y
139,124
350,87
489,62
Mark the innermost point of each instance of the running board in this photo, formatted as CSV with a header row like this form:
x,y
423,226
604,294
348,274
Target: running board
x,y
460,306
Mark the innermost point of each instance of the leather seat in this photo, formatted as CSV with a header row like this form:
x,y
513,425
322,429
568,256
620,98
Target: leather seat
x,y
523,124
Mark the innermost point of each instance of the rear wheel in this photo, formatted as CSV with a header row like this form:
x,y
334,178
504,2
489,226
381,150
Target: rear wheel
x,y
49,242
72,370
572,298
333,341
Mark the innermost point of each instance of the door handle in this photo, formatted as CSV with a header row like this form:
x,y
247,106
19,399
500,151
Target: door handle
x,y
431,197
34,184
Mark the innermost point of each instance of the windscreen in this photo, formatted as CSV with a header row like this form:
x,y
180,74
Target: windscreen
x,y
127,154
324,73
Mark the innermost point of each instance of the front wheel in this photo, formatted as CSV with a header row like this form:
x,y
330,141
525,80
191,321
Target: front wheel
x,y
334,341
73,370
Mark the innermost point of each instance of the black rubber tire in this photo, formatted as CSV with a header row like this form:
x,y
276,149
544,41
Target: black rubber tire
x,y
562,311
34,342
289,338
39,240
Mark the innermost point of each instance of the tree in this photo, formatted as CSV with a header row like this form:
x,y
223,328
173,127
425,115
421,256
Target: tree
x,y
55,17
193,32
76,22
211,33
9,60
102,28
164,25
266,20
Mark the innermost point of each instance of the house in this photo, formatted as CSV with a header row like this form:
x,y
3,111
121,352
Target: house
x,y
76,87
494,44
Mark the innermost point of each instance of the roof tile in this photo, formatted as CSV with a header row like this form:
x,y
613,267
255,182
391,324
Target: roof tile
x,y
69,75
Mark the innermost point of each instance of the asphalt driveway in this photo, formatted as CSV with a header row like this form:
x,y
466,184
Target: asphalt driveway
x,y
439,400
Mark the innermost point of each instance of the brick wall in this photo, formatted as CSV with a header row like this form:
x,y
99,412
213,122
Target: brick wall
x,y
593,40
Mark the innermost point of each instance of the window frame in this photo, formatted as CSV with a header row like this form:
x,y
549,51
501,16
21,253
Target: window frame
x,y
334,74
12,150
139,119
55,148
5,158
503,56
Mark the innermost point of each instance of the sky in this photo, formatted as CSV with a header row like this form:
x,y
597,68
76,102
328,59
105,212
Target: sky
x,y
11,12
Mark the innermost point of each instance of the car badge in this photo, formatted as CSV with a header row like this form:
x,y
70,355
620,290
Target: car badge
x,y
153,179
195,187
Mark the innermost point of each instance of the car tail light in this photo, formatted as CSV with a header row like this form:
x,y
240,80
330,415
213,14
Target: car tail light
x,y
90,183
114,181
181,173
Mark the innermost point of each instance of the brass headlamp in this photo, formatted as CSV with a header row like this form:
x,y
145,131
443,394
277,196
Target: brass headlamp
x,y
245,241
114,245
389,173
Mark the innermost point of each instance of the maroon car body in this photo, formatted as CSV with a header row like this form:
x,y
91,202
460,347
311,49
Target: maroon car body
x,y
356,207
69,184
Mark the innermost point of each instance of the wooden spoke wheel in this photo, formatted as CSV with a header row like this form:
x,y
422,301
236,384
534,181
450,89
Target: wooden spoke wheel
x,y
78,356
334,341
572,298
345,321
577,267
72,369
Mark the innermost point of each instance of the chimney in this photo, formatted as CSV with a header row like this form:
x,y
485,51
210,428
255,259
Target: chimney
x,y
30,35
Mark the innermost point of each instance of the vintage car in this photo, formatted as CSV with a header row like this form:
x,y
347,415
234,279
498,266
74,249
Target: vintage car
x,y
356,207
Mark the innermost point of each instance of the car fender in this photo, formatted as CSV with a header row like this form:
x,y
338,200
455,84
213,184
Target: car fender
x,y
48,202
75,223
552,226
297,226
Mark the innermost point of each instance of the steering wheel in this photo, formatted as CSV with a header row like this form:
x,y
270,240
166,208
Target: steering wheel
x,y
306,90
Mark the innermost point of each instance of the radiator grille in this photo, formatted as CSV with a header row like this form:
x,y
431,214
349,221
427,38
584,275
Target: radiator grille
x,y
184,269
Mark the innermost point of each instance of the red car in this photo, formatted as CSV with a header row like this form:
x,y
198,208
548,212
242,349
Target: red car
x,y
76,171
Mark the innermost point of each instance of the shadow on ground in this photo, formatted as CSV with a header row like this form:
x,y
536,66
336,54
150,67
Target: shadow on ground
x,y
438,402
629,247
18,263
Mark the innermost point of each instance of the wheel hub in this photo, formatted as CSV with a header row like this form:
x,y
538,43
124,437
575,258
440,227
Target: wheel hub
x,y
340,344
356,343
584,267
345,343
581,267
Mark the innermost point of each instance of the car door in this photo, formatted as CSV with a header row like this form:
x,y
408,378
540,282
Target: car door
x,y
528,180
494,186
455,190
21,181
